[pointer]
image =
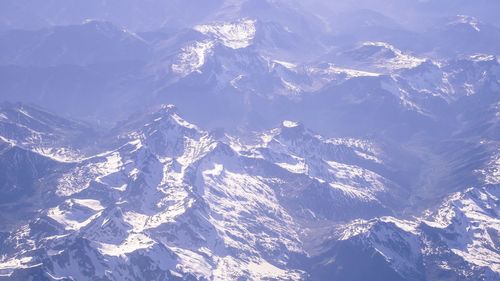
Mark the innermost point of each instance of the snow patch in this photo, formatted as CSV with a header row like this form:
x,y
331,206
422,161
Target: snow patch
x,y
400,59
233,35
285,64
471,21
134,242
482,58
71,216
193,57
290,124
349,73
89,203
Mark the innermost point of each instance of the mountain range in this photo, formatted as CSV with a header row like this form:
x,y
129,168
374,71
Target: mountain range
x,y
249,140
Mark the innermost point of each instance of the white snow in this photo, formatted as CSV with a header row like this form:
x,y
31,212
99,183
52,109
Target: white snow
x,y
7,266
400,59
97,168
72,217
211,205
468,214
89,203
235,35
349,73
74,181
406,225
351,174
492,171
471,21
134,242
235,199
288,65
354,228
482,57
234,82
352,191
61,154
265,269
25,113
193,57
404,96
300,167
182,122
290,124
290,87
10,142
190,261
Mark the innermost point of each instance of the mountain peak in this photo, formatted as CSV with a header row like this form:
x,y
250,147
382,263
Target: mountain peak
x,y
470,21
168,109
235,35
291,129
485,58
290,124
168,114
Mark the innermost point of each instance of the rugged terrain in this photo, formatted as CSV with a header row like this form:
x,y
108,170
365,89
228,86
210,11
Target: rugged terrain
x,y
249,140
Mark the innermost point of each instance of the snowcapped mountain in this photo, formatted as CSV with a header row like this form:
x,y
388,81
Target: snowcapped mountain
x,y
34,129
187,203
380,55
450,242
251,61
173,189
249,140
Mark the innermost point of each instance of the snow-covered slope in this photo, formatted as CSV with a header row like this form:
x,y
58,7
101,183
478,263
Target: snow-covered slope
x,y
186,203
378,56
458,240
348,140
42,132
233,35
220,208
